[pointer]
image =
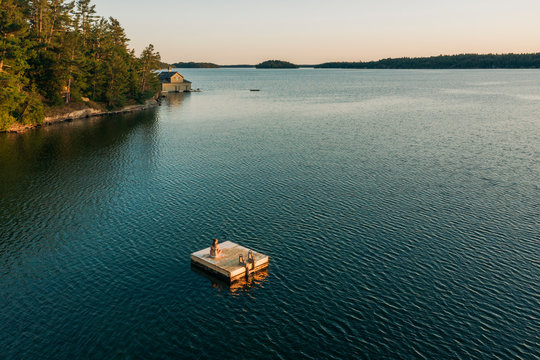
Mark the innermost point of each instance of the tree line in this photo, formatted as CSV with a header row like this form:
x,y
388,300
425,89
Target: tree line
x,y
462,61
195,65
57,52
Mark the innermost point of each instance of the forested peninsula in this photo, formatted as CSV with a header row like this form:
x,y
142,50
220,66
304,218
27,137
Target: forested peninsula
x,y
57,55
462,61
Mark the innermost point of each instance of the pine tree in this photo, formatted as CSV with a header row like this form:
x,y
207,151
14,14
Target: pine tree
x,y
116,64
86,14
96,59
149,61
50,28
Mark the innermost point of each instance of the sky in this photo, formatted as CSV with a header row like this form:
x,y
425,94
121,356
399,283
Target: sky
x,y
313,32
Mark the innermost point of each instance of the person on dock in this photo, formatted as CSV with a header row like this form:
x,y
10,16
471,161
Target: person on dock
x,y
215,251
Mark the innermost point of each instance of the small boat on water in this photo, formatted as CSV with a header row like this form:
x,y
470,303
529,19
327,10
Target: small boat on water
x,y
254,90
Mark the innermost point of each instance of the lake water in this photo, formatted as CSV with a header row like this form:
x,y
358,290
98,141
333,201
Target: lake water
x,y
400,211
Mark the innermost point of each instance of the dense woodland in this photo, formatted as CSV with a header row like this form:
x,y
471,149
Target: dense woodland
x,y
463,61
55,53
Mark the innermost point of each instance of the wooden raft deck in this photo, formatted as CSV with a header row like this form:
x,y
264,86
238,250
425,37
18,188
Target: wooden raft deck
x,y
228,265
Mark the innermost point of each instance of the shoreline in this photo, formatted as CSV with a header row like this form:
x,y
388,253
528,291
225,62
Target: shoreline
x,y
79,114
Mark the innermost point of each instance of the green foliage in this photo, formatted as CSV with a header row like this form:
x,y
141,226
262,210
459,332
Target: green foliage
x,y
6,120
276,64
32,111
462,61
24,107
55,52
11,97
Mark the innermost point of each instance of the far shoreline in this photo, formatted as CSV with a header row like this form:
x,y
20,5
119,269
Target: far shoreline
x,y
439,62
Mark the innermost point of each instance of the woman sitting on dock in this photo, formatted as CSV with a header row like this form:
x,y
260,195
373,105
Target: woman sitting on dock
x,y
214,249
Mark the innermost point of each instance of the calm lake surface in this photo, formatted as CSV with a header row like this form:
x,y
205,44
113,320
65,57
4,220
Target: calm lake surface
x,y
400,211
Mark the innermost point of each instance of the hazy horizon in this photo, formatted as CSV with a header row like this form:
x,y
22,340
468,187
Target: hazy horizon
x,y
302,32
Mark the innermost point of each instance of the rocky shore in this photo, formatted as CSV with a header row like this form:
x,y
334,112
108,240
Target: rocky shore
x,y
85,112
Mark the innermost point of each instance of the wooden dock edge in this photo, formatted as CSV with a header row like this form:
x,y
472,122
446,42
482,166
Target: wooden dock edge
x,y
224,277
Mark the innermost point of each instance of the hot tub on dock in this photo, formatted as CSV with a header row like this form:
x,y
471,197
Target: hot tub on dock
x,y
234,263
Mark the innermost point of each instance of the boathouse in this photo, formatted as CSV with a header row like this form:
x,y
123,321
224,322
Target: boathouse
x,y
173,81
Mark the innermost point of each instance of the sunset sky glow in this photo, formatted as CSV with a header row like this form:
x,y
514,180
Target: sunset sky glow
x,y
312,32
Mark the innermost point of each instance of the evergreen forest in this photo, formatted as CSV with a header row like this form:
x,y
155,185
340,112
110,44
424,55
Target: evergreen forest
x,y
55,53
461,61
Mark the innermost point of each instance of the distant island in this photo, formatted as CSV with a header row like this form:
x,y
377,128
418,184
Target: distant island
x,y
276,64
269,64
462,61
195,65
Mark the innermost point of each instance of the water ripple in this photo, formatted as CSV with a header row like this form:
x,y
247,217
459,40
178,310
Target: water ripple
x,y
398,226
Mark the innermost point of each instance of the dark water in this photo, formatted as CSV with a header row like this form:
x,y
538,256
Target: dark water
x,y
400,211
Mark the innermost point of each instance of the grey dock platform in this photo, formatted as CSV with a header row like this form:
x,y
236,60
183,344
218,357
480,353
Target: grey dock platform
x,y
233,263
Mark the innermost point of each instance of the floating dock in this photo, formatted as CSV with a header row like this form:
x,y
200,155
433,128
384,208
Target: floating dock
x,y
234,263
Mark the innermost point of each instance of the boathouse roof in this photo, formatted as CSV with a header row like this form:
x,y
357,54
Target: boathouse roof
x,y
165,76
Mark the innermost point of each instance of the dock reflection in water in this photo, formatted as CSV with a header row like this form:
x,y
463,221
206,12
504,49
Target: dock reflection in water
x,y
174,100
236,287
